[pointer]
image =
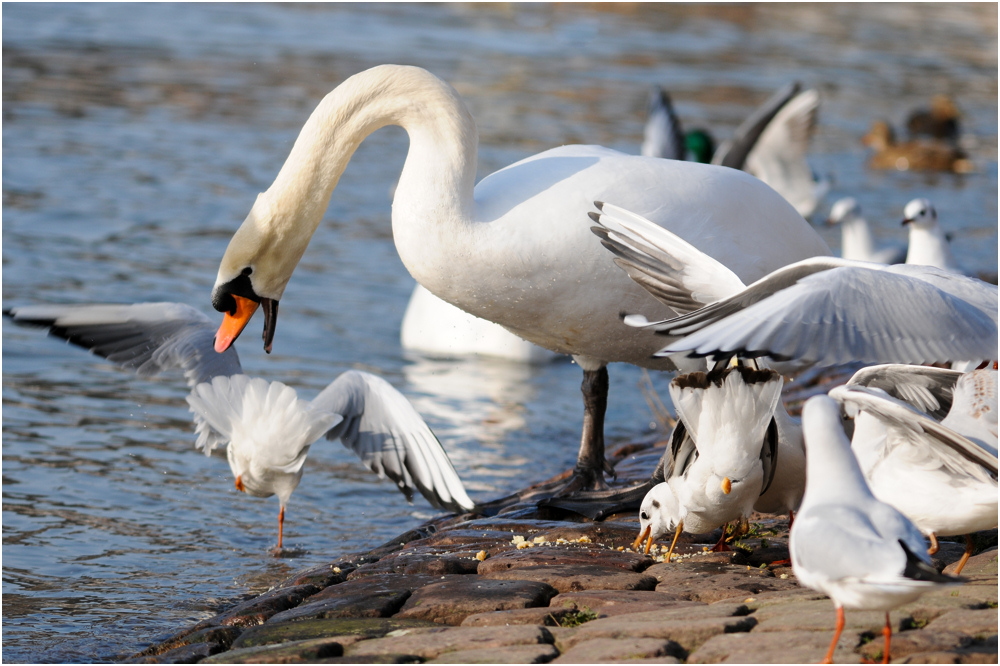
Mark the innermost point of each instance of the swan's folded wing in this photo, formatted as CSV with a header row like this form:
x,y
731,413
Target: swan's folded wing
x,y
675,272
147,338
924,387
734,153
390,437
865,313
934,439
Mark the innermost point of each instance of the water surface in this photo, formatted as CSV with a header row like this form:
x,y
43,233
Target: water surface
x,y
135,138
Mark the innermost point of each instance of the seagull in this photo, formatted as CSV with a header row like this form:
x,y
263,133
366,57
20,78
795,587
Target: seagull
x,y
941,474
770,144
857,242
818,311
266,429
724,457
929,245
861,552
516,248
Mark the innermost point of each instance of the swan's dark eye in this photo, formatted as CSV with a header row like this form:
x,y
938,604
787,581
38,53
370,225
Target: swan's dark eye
x,y
644,515
246,271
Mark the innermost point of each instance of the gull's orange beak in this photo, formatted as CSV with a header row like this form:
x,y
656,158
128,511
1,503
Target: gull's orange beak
x,y
727,485
642,537
239,484
233,324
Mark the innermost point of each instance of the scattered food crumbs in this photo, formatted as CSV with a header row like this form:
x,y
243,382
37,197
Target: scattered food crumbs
x,y
336,570
539,539
748,600
481,555
783,576
621,548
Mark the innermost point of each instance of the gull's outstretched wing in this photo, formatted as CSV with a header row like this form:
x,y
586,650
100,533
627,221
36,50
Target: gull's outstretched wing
x,y
862,312
925,388
733,153
386,432
147,338
935,439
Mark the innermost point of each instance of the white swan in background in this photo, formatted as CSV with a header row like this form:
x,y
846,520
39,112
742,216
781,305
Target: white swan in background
x,y
266,428
822,310
857,242
516,249
942,474
845,543
438,329
770,144
929,245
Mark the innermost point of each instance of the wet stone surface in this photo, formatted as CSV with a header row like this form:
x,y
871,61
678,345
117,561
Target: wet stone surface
x,y
522,587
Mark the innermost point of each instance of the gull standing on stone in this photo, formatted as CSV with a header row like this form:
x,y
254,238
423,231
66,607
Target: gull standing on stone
x,y
266,428
862,553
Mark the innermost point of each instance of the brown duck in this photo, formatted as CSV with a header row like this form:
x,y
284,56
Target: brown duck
x,y
914,155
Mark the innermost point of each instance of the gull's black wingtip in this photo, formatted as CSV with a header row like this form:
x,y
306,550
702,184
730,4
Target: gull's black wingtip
x,y
596,217
599,205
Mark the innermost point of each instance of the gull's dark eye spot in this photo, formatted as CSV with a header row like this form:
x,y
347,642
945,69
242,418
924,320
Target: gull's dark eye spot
x,y
644,515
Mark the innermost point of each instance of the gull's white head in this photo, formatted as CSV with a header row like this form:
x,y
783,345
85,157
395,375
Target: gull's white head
x,y
921,214
268,429
659,514
844,210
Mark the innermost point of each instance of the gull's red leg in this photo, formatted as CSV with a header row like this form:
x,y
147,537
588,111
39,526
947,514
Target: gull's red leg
x,y
836,636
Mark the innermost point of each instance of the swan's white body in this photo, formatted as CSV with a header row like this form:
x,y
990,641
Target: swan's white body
x,y
857,242
517,250
438,329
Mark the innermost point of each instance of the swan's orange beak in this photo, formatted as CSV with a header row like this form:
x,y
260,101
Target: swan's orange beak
x,y
239,484
233,324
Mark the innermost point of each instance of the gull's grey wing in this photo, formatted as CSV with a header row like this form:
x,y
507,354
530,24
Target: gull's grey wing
x,y
926,388
927,432
862,312
662,135
733,153
846,542
147,338
386,432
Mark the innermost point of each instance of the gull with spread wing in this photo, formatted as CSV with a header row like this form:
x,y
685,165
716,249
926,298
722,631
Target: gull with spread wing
x,y
266,428
818,311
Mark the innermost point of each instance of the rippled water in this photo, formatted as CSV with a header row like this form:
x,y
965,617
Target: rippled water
x,y
135,138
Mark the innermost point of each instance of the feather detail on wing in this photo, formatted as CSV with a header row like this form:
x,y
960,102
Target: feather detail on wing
x,y
390,437
147,338
926,388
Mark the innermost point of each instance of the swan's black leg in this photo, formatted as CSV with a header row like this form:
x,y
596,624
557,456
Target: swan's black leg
x,y
590,464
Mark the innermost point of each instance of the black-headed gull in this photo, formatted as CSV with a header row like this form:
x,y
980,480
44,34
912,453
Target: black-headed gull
x,y
857,242
941,474
861,552
818,311
714,473
267,429
929,245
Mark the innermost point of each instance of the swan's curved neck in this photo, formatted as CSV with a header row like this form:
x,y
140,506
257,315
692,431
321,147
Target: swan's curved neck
x,y
434,197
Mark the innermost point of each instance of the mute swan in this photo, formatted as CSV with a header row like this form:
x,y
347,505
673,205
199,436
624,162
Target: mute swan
x,y
860,552
941,474
770,144
266,428
516,249
929,245
856,237
821,310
